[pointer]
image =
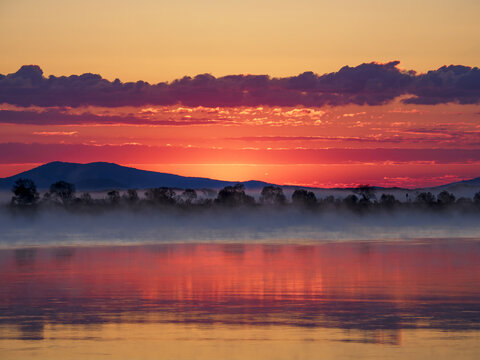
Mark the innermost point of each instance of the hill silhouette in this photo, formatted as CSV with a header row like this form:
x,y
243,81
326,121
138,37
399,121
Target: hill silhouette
x,y
98,176
103,175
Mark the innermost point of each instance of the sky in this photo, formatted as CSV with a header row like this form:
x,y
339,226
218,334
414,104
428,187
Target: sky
x,y
310,93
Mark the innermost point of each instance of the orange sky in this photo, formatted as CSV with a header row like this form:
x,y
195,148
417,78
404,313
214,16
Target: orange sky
x,y
392,145
383,125
159,41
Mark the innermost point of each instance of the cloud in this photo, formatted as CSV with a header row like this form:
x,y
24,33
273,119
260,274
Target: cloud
x,y
360,139
59,117
454,83
55,133
366,84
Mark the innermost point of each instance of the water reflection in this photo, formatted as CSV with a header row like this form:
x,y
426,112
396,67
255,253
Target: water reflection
x,y
373,290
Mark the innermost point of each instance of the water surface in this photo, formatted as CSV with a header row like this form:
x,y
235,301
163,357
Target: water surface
x,y
415,299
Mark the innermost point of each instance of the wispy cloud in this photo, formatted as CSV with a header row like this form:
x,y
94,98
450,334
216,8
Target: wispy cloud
x,y
59,117
55,133
378,138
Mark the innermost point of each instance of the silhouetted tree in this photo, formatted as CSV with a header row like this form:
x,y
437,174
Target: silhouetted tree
x,y
189,196
351,201
62,190
366,191
272,195
86,199
304,198
113,197
24,192
161,196
425,198
476,198
387,201
445,198
234,196
131,196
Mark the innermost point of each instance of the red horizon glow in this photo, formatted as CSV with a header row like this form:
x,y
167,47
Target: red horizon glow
x,y
390,145
373,123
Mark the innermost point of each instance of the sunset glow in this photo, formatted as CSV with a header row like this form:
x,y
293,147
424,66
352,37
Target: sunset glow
x,y
389,145
249,180
304,93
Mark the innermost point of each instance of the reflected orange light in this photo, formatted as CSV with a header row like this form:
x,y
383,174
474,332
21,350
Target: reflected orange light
x,y
210,272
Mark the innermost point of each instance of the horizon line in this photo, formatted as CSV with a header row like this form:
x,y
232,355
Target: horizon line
x,y
233,181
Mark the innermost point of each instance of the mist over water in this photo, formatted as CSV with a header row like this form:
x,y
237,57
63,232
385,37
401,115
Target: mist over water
x,y
114,279
60,227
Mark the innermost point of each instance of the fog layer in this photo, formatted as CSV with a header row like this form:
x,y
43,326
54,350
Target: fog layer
x,y
60,227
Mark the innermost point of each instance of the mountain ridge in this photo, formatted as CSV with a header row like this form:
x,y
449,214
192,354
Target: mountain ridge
x,y
105,175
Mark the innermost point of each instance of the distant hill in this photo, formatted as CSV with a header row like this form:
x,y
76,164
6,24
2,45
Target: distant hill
x,y
471,182
465,188
103,175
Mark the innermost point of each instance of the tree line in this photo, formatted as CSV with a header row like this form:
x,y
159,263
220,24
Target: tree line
x,y
364,198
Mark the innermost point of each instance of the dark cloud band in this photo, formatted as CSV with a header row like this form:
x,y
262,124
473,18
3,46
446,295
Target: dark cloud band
x,y
366,84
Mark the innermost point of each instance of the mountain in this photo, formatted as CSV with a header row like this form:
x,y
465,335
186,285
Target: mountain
x,y
103,175
467,188
471,182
